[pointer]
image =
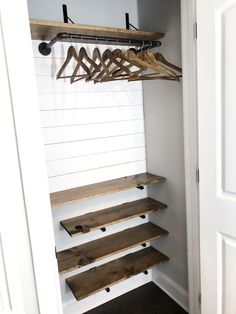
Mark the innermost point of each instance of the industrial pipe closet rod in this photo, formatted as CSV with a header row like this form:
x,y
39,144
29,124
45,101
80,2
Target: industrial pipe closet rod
x,y
45,48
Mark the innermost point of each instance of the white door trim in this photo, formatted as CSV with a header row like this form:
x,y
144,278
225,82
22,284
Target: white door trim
x,y
24,93
25,111
189,64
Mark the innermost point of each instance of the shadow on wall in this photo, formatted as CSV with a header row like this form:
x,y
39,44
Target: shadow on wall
x,y
160,16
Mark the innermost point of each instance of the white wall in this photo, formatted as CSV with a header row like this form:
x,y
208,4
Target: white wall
x,y
103,12
164,137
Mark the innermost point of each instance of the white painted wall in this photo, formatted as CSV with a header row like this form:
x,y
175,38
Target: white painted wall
x,y
103,12
164,138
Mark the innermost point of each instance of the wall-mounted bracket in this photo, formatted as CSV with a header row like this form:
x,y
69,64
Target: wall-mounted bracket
x,y
142,216
145,272
128,24
108,290
103,229
79,228
140,187
65,15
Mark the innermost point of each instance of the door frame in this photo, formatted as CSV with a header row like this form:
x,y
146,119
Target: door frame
x,y
28,134
190,108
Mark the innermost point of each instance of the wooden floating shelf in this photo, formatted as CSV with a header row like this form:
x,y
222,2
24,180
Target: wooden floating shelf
x,y
86,192
90,252
98,278
46,30
109,216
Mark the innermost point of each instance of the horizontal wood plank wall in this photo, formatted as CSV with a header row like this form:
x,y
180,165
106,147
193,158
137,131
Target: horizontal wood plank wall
x,y
91,133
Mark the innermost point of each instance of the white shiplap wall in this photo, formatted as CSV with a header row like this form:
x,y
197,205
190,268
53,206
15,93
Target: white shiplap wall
x,y
92,132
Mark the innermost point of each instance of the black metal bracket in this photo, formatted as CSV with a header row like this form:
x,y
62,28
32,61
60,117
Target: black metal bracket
x,y
145,272
140,187
103,229
65,15
142,216
144,245
108,290
128,24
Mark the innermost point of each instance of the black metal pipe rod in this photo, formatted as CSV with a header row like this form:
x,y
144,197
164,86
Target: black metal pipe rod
x,y
129,42
45,48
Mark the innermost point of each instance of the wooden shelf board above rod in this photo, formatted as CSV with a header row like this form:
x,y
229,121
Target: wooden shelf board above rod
x,y
74,195
46,30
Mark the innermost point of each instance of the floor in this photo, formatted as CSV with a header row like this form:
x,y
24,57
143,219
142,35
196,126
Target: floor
x,y
148,299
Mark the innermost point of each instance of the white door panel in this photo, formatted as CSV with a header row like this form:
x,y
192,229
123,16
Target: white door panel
x,y
217,157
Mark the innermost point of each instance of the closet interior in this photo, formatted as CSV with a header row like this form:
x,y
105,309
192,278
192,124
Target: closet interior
x,y
111,113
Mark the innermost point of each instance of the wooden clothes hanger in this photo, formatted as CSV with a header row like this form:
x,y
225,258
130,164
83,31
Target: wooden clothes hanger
x,y
101,65
122,73
158,56
111,60
143,61
118,65
71,53
83,56
153,76
158,68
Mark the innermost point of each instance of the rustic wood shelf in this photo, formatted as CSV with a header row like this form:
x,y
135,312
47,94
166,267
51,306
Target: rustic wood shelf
x,y
98,278
90,252
74,195
46,30
109,216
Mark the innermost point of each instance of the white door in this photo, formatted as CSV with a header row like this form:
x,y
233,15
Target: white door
x,y
217,153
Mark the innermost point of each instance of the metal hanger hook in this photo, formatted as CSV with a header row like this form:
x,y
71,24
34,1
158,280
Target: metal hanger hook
x,y
150,45
142,45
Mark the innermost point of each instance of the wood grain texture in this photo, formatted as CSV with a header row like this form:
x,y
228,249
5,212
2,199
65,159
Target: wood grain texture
x,y
101,277
109,216
74,195
90,252
46,30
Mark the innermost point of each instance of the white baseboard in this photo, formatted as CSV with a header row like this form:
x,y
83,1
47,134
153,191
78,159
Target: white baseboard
x,y
171,287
